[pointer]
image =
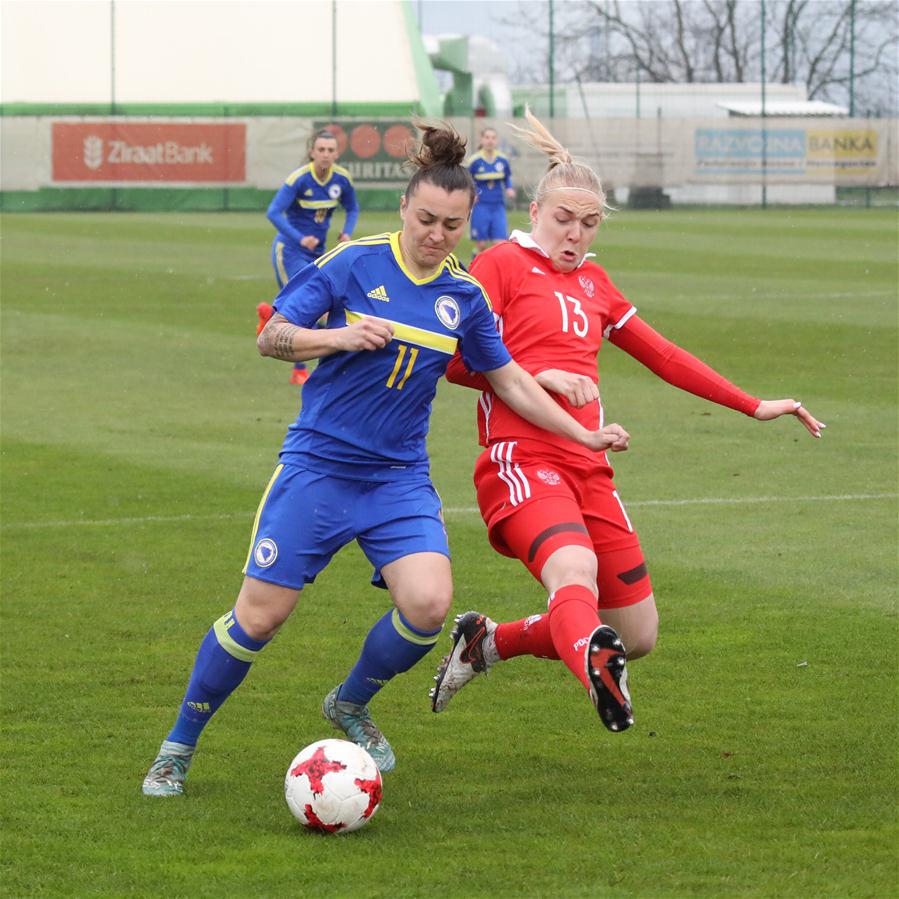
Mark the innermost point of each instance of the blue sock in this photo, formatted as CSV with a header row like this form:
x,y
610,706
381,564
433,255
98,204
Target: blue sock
x,y
391,647
222,662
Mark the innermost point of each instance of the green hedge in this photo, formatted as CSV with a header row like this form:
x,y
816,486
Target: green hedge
x,y
166,199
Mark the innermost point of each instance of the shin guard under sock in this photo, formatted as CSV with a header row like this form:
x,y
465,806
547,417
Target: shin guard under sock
x,y
573,617
392,646
222,662
528,637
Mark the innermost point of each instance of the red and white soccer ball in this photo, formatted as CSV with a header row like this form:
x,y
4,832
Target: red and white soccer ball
x,y
333,786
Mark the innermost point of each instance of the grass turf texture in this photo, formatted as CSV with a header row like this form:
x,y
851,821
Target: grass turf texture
x,y
139,427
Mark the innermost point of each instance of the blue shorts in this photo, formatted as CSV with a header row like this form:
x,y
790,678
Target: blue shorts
x,y
305,517
288,259
488,222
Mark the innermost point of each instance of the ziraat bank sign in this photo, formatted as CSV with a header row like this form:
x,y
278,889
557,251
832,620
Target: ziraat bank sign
x,y
149,152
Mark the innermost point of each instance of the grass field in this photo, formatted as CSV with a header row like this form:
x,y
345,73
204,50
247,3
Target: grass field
x,y
139,427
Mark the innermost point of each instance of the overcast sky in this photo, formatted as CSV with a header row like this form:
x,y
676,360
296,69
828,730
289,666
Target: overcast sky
x,y
479,17
466,16
491,19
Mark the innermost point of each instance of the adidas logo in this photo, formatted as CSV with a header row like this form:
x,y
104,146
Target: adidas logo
x,y
308,192
379,293
536,271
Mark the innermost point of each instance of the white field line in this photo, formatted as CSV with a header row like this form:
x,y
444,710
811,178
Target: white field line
x,y
212,278
845,295
797,295
452,510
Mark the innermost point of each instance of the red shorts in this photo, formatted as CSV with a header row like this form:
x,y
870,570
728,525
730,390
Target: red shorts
x,y
534,502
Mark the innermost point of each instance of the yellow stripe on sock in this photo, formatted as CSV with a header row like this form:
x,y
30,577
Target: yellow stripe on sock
x,y
228,643
410,635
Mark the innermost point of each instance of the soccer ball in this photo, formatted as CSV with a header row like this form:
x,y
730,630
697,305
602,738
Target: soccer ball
x,y
333,786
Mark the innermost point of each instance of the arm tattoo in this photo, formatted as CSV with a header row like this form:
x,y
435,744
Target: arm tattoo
x,y
281,343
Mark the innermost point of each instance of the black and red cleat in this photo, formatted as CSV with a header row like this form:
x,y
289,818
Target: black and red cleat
x,y
606,663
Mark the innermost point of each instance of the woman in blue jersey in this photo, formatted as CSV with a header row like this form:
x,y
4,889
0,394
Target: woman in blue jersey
x,y
354,465
492,175
301,212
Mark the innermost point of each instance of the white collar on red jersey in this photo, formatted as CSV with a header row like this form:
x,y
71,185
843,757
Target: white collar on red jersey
x,y
524,239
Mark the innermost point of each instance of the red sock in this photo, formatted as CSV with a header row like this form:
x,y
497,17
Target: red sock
x,y
528,637
572,619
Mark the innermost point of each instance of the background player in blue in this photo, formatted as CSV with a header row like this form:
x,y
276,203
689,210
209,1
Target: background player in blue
x,y
492,175
354,464
301,211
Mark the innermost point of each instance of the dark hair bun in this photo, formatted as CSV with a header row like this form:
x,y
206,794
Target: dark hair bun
x,y
438,160
440,145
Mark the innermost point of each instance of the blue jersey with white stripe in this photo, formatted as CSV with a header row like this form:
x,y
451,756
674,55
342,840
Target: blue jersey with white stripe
x,y
365,414
304,205
491,176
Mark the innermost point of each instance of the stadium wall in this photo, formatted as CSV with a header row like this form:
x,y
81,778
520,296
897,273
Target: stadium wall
x,y
230,159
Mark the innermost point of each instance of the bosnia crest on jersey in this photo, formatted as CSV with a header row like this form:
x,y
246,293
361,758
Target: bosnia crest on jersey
x,y
447,310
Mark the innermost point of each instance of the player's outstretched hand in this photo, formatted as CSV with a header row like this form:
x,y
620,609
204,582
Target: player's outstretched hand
x,y
367,334
768,410
577,389
612,437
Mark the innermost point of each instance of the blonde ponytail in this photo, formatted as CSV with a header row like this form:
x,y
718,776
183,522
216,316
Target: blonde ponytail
x,y
563,172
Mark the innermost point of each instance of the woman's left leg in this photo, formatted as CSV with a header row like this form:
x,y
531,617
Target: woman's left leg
x,y
401,532
421,588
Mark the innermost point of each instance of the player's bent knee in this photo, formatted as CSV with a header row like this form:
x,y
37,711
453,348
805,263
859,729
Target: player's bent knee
x,y
421,587
260,624
569,566
637,625
641,636
570,578
643,645
262,608
431,611
428,607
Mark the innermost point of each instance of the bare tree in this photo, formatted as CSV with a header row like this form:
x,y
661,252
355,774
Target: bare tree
x,y
813,47
807,42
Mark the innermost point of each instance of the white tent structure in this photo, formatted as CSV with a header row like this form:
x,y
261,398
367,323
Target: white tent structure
x,y
353,56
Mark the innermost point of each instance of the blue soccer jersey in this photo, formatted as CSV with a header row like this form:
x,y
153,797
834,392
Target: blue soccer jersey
x,y
365,414
304,205
491,176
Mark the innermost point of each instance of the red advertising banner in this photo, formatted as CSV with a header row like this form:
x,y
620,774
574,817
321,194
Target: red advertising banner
x,y
149,152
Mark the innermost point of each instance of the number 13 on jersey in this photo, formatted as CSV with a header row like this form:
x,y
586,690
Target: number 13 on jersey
x,y
577,319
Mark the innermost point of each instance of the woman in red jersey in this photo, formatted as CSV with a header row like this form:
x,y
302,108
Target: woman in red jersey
x,y
546,500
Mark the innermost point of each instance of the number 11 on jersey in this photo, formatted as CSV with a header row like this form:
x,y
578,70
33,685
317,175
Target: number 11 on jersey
x,y
413,355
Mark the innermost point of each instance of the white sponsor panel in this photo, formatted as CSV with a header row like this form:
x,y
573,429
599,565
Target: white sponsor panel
x,y
700,155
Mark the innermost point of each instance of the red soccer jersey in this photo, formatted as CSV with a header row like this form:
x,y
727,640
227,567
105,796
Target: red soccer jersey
x,y
547,320
554,320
